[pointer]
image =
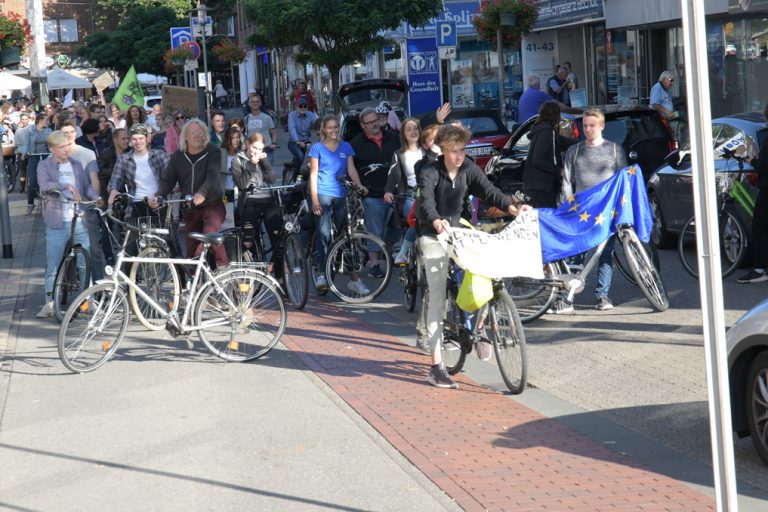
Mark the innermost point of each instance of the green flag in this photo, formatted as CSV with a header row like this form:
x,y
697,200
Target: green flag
x,y
130,92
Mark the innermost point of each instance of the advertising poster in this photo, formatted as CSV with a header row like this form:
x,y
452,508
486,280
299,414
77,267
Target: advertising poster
x,y
423,75
461,83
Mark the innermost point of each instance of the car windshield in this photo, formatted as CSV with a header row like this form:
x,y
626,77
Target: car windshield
x,y
482,126
628,129
372,96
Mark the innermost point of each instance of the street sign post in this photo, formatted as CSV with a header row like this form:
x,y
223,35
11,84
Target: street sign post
x,y
445,33
194,47
197,30
180,35
447,52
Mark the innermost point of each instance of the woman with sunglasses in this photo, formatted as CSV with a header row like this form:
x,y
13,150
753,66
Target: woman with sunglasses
x,y
173,134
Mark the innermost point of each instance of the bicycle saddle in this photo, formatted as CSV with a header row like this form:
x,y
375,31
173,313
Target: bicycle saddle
x,y
213,238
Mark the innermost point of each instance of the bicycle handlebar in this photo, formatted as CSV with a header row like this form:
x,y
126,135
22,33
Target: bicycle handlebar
x,y
66,199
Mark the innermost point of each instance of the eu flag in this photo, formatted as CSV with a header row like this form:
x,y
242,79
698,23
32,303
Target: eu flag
x,y
591,216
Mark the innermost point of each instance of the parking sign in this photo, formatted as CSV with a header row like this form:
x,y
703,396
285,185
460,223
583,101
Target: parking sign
x,y
180,35
445,33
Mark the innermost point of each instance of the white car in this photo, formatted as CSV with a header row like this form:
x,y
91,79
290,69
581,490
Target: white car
x,y
747,343
151,101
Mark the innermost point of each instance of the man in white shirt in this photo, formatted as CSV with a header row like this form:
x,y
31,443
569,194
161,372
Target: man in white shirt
x,y
258,121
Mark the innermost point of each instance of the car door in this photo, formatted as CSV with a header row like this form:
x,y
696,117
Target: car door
x,y
506,168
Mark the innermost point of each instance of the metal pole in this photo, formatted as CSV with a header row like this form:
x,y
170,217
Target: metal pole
x,y
5,214
707,234
499,51
202,11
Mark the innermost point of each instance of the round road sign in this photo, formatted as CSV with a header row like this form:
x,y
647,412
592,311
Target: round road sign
x,y
195,47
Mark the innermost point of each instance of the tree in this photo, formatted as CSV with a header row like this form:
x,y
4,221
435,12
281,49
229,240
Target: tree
x,y
141,39
334,33
182,8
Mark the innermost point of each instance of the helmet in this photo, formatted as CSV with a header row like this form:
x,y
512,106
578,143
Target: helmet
x,y
383,107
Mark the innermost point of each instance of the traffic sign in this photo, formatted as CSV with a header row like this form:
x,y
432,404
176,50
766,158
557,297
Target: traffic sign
x,y
445,33
447,52
62,60
180,35
195,47
197,29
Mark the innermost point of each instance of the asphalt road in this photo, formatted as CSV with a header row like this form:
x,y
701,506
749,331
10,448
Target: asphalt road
x,y
638,368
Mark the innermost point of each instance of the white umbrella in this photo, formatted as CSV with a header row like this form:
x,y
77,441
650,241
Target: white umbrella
x,y
11,82
60,79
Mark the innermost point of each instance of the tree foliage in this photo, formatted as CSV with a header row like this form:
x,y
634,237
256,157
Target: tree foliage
x,y
182,8
334,33
141,39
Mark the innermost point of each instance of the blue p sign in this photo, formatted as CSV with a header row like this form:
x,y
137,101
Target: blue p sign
x,y
445,31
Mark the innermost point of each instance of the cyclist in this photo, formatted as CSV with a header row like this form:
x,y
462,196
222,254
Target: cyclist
x,y
251,171
329,160
443,186
300,123
60,172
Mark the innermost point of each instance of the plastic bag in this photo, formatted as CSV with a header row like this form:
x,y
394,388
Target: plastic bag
x,y
474,292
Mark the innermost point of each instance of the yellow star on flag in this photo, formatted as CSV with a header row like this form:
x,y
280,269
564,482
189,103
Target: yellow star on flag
x,y
599,219
623,199
571,199
614,213
574,207
631,170
584,216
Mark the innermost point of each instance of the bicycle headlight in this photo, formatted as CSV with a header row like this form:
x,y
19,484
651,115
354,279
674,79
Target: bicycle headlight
x,y
108,270
289,226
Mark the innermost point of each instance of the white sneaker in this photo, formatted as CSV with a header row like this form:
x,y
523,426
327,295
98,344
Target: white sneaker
x,y
46,311
401,259
358,287
320,283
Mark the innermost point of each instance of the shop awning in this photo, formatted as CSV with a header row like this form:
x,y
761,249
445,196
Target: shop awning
x,y
630,13
11,82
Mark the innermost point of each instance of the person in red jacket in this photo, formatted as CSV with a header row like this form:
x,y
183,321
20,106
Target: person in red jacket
x,y
303,92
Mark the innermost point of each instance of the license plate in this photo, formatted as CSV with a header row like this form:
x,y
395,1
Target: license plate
x,y
480,151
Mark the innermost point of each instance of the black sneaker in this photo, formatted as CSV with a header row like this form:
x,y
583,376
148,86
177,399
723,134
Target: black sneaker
x,y
604,304
438,377
753,277
376,272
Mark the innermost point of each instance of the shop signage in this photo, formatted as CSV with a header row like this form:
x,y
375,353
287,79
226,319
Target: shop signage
x,y
555,13
461,13
423,75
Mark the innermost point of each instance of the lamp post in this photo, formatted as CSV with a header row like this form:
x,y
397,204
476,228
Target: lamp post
x,y
506,19
202,12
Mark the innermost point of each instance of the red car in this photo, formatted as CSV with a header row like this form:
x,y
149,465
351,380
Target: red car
x,y
488,132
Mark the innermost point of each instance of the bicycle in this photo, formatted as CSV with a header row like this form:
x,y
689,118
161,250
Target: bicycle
x,y
461,330
535,296
10,168
347,256
73,274
238,313
733,235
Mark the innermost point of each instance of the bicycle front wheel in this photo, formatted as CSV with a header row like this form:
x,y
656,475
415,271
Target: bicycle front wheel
x,y
732,240
73,276
620,260
410,275
532,296
158,280
10,175
93,327
647,277
509,345
346,263
454,348
295,272
240,315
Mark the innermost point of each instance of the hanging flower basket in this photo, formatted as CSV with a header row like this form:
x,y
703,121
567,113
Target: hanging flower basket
x,y
178,56
489,20
228,51
14,32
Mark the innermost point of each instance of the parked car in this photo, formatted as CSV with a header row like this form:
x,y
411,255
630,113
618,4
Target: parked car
x,y
670,188
747,343
641,131
151,101
489,134
355,96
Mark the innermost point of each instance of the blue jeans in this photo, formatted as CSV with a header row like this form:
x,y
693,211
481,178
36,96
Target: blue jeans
x,y
296,151
377,214
55,242
32,188
332,206
604,268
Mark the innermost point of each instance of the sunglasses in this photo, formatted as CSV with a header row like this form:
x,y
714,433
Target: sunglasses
x,y
180,117
302,106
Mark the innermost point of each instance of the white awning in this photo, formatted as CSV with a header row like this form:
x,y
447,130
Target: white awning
x,y
11,82
60,79
630,13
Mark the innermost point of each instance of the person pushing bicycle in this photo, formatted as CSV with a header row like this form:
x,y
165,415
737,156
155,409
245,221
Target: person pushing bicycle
x,y
442,188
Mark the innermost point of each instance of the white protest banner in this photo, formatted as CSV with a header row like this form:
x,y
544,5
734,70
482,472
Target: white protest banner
x,y
513,252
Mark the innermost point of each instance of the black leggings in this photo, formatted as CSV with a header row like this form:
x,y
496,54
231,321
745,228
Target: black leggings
x,y
266,210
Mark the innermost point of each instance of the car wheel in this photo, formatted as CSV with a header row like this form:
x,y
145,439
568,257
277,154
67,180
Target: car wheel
x,y
757,404
660,237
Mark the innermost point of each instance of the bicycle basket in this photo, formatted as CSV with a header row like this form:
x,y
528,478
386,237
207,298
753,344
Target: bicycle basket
x,y
147,224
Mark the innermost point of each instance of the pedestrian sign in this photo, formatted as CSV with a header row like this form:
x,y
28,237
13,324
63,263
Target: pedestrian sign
x,y
180,35
445,32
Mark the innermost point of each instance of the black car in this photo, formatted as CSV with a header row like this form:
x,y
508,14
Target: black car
x,y
645,136
355,96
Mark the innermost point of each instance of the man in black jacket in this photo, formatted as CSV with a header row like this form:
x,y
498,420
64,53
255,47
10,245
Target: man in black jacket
x,y
373,154
759,218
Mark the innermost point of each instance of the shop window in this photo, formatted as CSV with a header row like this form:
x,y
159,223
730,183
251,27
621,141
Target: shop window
x,y
60,31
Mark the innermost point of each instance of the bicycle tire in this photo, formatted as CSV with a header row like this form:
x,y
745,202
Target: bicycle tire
x,y
509,344
83,344
160,281
346,257
453,348
733,245
619,260
248,330
647,276
11,173
410,276
295,272
532,297
69,281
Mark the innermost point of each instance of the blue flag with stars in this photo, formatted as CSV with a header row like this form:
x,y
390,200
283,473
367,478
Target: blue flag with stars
x,y
587,218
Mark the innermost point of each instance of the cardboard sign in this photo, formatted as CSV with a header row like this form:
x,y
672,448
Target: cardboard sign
x,y
180,98
103,81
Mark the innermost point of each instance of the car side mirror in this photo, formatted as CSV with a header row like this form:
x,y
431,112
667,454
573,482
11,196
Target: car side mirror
x,y
632,156
673,158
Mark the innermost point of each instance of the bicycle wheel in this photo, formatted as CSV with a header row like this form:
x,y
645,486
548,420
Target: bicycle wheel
x,y
296,273
509,345
647,277
733,245
93,327
347,259
533,297
72,277
158,280
620,260
410,275
10,174
454,335
240,314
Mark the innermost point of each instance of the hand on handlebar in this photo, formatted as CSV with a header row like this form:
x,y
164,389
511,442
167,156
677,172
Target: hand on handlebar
x,y
75,194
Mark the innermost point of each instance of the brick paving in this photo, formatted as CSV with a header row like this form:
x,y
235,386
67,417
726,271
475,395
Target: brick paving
x,y
485,451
